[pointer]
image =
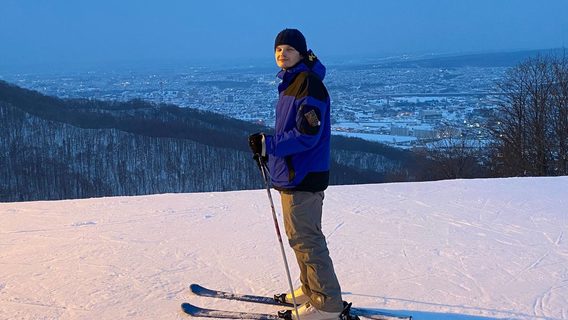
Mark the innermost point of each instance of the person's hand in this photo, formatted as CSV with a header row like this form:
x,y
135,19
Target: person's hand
x,y
256,144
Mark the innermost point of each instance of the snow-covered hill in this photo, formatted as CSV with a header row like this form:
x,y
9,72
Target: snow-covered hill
x,y
461,249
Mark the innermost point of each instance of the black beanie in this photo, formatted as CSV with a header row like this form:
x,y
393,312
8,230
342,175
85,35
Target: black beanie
x,y
294,38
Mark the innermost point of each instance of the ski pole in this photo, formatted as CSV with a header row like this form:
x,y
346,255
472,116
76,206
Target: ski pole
x,y
264,170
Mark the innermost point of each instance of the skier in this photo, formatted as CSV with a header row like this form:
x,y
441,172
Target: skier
x,y
298,156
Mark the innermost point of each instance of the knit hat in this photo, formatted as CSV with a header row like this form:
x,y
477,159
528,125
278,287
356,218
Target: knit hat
x,y
294,38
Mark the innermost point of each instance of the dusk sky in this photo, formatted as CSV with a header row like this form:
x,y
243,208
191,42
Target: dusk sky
x,y
75,32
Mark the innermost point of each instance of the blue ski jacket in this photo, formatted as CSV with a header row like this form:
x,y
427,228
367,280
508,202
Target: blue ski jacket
x,y
299,151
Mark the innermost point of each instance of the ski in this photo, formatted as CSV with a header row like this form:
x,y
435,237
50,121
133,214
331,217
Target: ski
x,y
204,292
222,314
361,312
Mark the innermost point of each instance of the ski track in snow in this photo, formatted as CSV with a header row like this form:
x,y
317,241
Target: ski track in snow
x,y
559,239
463,249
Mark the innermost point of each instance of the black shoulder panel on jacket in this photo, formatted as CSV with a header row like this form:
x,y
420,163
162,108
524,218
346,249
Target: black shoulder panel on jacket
x,y
307,84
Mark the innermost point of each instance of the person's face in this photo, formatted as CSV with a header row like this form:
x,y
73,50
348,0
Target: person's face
x,y
286,56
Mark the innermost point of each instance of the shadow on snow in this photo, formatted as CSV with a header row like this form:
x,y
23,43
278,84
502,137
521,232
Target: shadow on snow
x,y
456,314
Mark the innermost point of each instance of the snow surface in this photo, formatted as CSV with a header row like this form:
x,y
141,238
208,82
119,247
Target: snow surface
x,y
460,249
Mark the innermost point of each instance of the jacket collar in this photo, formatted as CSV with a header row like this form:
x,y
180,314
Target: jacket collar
x,y
291,72
317,68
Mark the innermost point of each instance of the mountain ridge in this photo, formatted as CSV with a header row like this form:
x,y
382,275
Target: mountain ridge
x,y
452,60
74,148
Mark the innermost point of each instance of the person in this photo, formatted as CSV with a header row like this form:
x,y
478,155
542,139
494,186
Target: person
x,y
298,160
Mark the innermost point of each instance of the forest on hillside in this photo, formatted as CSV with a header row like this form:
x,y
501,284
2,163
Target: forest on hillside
x,y
55,148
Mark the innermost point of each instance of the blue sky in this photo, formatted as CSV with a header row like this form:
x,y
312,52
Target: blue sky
x,y
75,32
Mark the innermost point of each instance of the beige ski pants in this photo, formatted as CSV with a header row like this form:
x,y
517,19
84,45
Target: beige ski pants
x,y
302,220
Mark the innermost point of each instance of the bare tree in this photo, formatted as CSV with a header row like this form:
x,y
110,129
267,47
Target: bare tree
x,y
530,131
453,156
560,114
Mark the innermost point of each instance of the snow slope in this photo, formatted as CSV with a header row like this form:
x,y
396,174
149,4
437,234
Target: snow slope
x,y
461,249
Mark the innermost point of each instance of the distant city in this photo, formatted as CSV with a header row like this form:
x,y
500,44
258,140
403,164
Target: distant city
x,y
405,107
